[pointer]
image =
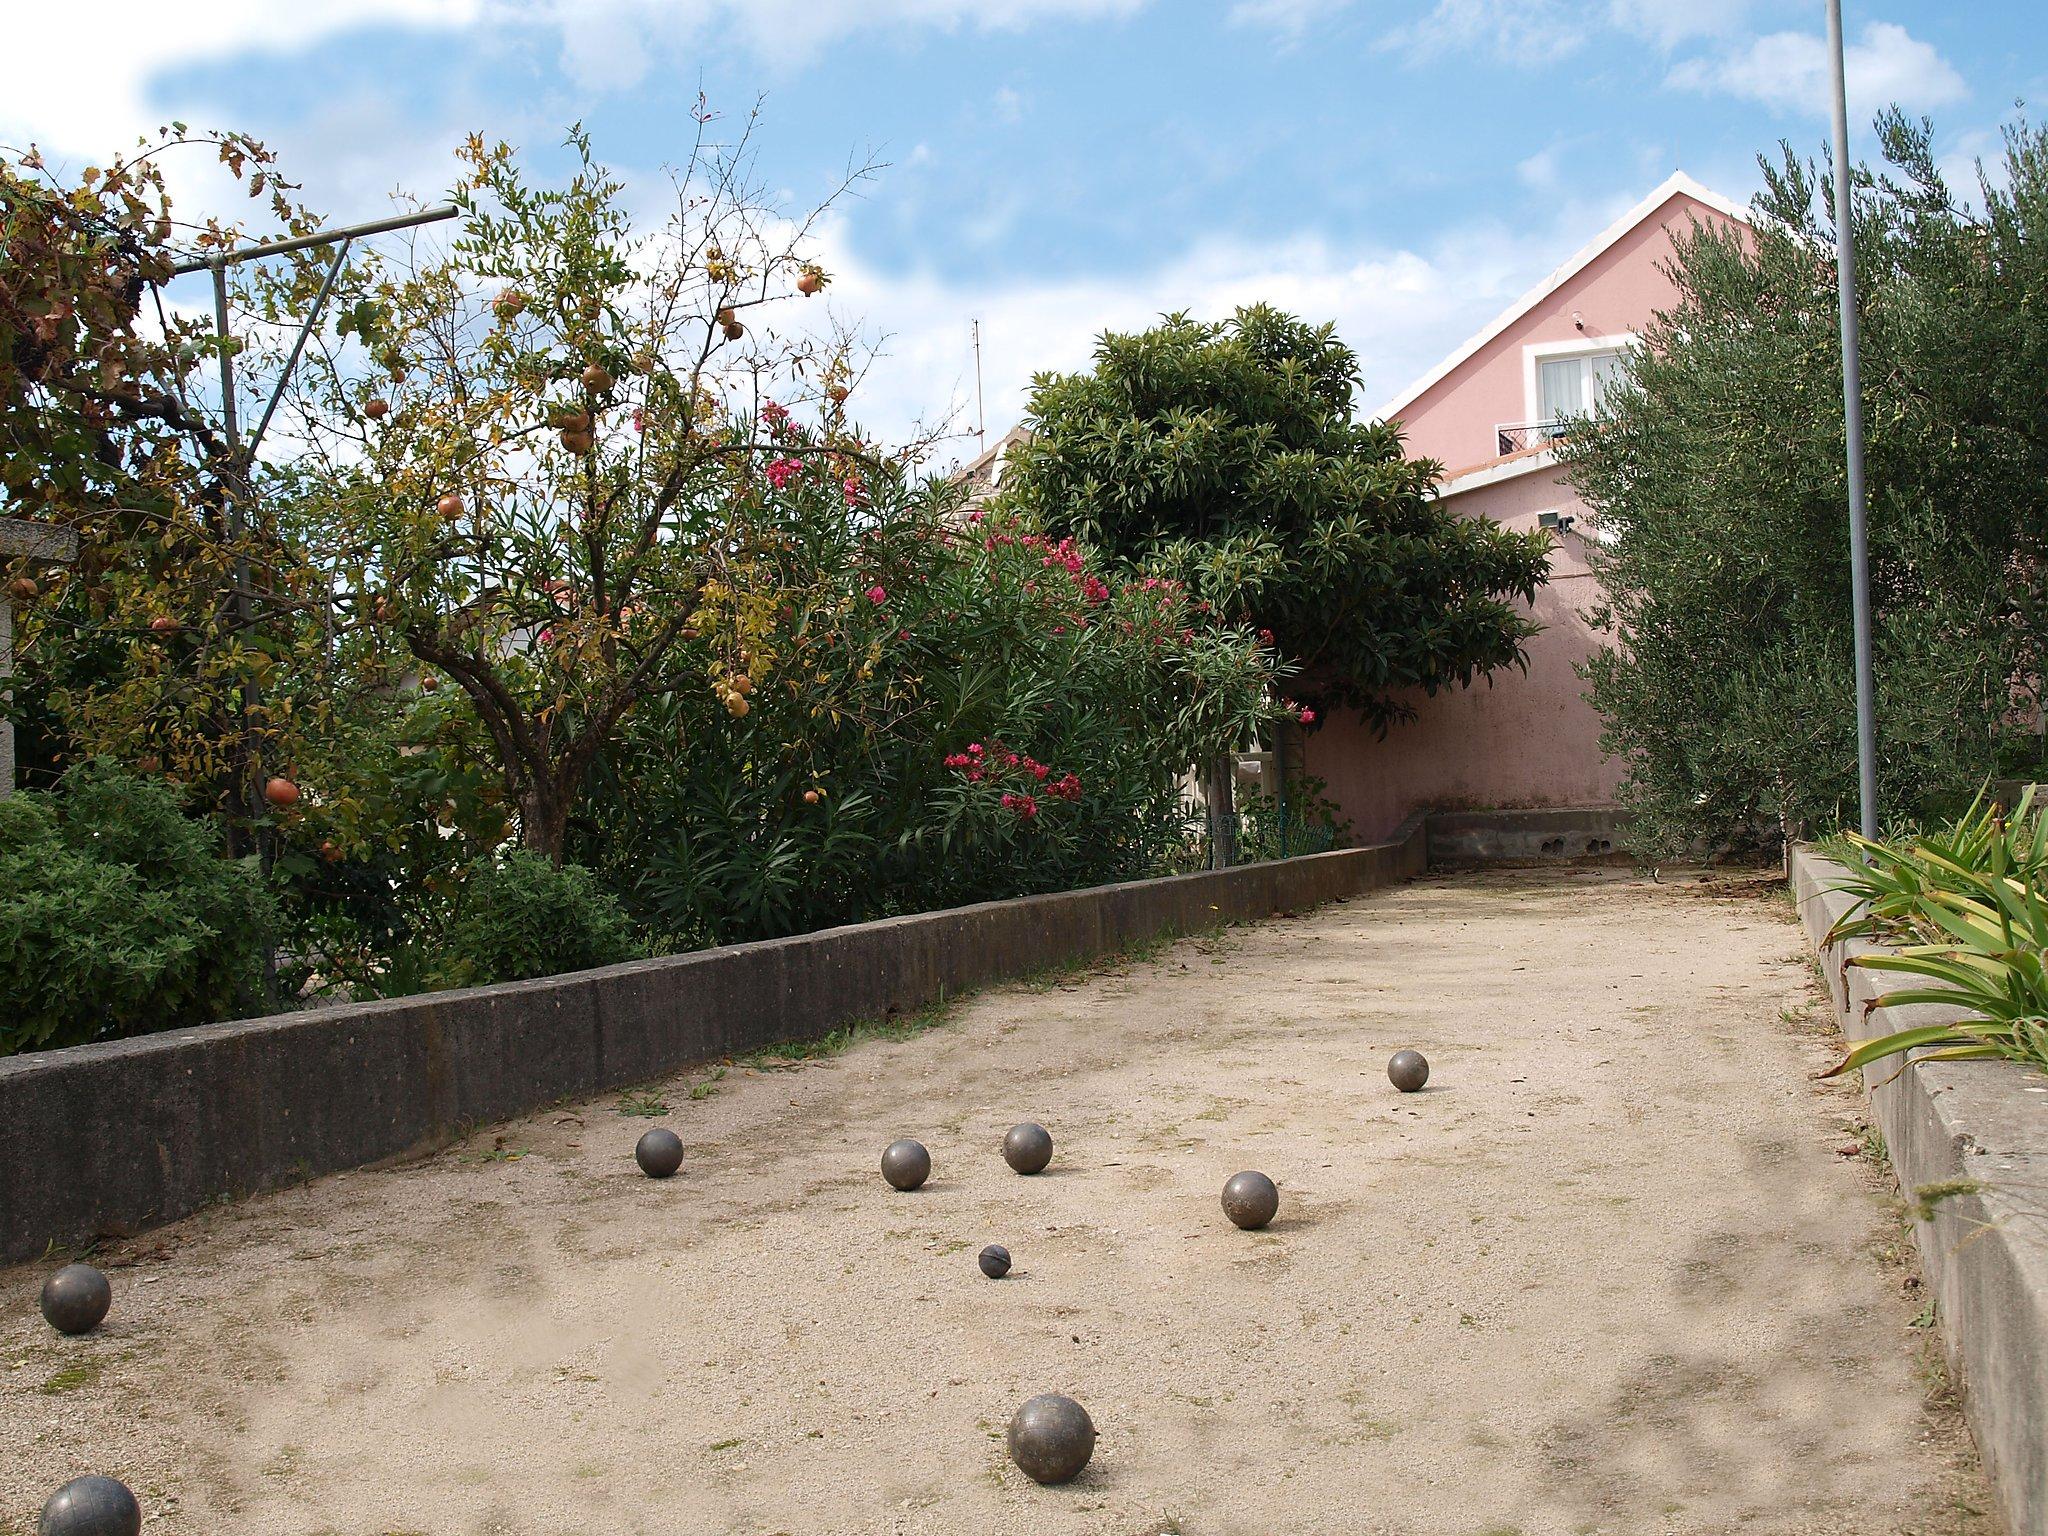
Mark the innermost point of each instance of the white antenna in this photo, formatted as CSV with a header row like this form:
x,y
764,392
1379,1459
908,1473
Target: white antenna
x,y
980,412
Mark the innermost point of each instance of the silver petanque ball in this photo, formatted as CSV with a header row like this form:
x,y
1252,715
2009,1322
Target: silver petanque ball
x,y
659,1153
91,1506
1051,1439
1408,1071
1250,1199
76,1298
906,1164
1028,1147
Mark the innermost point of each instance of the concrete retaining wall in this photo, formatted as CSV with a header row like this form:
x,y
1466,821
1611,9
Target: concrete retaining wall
x,y
1467,839
118,1137
1986,1254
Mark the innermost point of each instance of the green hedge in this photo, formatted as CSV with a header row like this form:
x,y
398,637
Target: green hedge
x,y
521,917
117,914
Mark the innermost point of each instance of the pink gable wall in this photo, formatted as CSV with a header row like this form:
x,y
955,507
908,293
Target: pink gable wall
x,y
1615,294
1521,739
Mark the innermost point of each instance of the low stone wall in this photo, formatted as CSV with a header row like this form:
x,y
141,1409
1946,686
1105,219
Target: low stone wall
x,y
121,1136
1986,1253
1469,839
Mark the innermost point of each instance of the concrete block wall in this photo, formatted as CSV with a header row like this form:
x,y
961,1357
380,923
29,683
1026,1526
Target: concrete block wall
x,y
117,1137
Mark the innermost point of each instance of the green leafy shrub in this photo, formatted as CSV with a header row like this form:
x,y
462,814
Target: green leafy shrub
x,y
1717,484
1229,455
118,915
522,917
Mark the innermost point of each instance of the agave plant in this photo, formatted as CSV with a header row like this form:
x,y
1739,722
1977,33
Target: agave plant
x,y
1967,904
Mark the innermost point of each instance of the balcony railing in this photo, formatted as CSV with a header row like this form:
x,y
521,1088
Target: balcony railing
x,y
1518,435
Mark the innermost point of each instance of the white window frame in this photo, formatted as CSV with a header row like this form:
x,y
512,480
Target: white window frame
x,y
1550,351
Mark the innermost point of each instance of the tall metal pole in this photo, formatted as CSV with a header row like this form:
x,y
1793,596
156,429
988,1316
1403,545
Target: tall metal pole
x,y
1852,418
232,514
237,481
980,412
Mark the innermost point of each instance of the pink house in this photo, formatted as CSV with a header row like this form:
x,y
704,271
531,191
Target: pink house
x,y
1488,413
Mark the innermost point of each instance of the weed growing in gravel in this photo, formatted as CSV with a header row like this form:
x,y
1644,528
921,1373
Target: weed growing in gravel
x,y
1927,1196
643,1103
791,1053
72,1377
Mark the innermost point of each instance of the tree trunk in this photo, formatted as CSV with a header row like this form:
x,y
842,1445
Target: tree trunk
x,y
544,822
1218,794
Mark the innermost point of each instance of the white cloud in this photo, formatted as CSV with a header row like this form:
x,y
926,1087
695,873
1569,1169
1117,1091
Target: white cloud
x,y
1401,309
613,43
1789,71
52,93
1668,23
1539,171
1521,31
1536,32
1291,19
90,94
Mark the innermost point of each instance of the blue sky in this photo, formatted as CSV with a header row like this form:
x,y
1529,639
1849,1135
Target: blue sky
x,y
1057,166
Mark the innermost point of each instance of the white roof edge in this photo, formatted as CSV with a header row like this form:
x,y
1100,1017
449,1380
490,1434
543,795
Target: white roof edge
x,y
1670,187
1493,474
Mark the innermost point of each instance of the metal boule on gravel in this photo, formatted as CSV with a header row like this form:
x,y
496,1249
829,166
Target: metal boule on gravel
x,y
1250,1199
91,1506
906,1164
1051,1438
1408,1071
659,1153
995,1261
1028,1147
76,1298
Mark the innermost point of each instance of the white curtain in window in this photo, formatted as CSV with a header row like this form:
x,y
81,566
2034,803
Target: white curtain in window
x,y
1574,386
1560,388
1603,369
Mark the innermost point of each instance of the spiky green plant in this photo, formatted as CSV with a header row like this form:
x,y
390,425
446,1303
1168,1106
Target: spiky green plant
x,y
1964,910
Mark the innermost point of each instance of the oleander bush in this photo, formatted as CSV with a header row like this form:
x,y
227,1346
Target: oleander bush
x,y
911,707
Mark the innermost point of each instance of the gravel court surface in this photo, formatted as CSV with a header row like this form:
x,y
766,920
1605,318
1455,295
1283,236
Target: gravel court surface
x,y
1611,1272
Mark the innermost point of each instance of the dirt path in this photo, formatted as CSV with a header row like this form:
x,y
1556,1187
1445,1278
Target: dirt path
x,y
1610,1274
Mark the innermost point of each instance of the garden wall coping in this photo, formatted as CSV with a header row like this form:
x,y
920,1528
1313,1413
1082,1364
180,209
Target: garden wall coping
x,y
114,1138
1985,1253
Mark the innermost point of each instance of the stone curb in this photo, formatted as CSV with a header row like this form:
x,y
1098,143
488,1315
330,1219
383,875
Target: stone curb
x,y
1986,1252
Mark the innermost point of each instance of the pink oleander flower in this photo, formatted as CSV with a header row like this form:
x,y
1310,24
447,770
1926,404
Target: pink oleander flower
x,y
782,471
1308,717
877,596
